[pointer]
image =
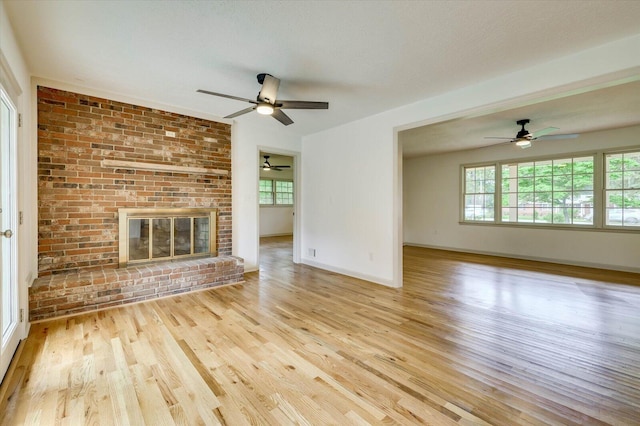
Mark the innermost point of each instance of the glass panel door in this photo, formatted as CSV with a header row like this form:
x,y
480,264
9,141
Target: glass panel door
x,y
161,238
201,235
9,295
138,239
182,236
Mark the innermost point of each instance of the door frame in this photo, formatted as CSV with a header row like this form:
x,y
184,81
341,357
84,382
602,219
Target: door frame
x,y
297,217
18,331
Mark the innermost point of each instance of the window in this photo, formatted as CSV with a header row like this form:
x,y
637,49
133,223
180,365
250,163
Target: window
x,y
276,192
622,189
284,192
480,185
550,192
266,191
558,191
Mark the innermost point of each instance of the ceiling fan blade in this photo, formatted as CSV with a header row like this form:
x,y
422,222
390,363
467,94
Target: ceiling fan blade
x,y
222,95
244,111
543,132
269,89
303,105
551,137
282,117
282,167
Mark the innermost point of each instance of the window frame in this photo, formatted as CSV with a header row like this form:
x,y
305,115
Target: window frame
x,y
605,189
275,192
260,192
552,176
599,189
464,192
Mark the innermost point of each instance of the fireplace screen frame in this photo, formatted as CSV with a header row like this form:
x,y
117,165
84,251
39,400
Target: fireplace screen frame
x,y
125,214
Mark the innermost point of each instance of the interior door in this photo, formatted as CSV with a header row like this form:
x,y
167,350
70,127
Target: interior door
x,y
9,308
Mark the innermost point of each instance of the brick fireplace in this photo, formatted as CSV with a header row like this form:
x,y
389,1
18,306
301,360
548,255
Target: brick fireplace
x,y
96,156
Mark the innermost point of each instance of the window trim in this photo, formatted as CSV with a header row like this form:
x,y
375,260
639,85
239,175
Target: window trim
x,y
463,192
273,199
274,192
569,157
599,223
603,191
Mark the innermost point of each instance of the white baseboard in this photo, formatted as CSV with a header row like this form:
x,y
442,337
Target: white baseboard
x,y
349,273
533,258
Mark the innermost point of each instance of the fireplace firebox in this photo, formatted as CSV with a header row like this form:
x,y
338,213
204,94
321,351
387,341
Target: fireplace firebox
x,y
161,234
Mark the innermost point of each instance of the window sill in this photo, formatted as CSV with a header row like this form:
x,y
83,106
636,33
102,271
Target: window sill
x,y
591,228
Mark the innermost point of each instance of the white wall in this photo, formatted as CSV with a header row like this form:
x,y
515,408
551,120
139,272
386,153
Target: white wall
x,y
276,220
432,208
352,207
347,210
27,159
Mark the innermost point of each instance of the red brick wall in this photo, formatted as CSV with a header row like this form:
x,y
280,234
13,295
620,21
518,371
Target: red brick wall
x,y
78,199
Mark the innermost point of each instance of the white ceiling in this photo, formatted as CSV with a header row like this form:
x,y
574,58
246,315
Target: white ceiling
x,y
362,57
276,159
602,109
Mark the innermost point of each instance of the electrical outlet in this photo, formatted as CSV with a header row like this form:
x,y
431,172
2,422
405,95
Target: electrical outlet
x,y
170,134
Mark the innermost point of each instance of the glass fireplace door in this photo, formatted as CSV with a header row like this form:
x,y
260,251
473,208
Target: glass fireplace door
x,y
161,238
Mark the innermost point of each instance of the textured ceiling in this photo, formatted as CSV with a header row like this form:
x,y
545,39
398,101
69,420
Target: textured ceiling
x,y
362,57
596,110
277,159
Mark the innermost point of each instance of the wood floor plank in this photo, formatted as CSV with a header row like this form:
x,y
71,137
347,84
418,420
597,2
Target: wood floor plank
x,y
468,340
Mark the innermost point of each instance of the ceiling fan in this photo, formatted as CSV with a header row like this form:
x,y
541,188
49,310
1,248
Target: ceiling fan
x,y
267,166
524,137
266,102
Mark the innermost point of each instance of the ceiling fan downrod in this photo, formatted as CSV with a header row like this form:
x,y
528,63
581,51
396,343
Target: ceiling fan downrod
x,y
523,133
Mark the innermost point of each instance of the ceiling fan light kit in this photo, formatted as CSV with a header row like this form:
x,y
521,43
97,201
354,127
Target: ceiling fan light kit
x,y
524,138
266,102
264,109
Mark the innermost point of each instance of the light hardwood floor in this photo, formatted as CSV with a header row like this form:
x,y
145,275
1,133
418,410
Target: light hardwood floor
x,y
469,340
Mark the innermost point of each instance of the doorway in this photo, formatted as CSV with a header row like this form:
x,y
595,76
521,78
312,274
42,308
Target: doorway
x,y
276,203
9,306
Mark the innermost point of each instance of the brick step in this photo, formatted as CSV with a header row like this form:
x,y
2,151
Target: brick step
x,y
69,293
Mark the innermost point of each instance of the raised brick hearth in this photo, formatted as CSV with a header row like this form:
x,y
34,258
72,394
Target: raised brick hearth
x,y
70,293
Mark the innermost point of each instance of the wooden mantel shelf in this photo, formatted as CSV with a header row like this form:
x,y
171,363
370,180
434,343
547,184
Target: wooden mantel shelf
x,y
161,167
